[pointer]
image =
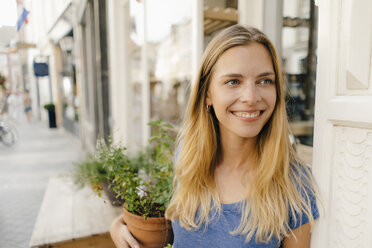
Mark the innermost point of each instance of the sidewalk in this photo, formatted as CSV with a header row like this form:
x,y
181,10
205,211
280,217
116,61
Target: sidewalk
x,y
24,172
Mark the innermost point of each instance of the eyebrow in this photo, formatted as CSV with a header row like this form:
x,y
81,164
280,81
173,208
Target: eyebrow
x,y
267,73
238,75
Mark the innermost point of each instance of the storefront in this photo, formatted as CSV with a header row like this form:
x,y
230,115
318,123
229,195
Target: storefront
x,y
64,77
92,71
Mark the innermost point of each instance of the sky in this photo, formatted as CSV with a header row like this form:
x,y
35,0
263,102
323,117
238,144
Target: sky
x,y
8,12
161,14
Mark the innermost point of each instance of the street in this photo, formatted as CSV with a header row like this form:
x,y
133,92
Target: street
x,y
24,171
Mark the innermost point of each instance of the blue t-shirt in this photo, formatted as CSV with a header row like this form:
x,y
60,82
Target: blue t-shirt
x,y
218,232
217,235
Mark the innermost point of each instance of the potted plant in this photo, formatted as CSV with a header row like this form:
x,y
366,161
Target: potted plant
x,y
113,158
97,170
90,171
146,191
50,107
143,182
2,82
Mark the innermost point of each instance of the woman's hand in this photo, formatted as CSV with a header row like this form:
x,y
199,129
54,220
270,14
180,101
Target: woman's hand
x,y
121,236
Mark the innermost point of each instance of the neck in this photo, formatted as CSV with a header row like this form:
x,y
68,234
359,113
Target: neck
x,y
238,153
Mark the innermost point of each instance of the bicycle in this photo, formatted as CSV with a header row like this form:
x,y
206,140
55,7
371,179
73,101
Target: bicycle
x,y
8,135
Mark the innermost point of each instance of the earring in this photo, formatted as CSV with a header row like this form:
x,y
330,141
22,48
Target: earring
x,y
208,108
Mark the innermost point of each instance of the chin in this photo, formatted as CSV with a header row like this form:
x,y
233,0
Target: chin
x,y
248,135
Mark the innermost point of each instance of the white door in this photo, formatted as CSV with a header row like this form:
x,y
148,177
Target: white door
x,y
342,162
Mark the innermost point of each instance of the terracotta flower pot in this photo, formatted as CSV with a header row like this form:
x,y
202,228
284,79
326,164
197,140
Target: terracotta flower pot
x,y
151,232
111,194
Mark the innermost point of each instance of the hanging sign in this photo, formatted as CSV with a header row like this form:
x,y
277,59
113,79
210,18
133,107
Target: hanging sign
x,y
41,69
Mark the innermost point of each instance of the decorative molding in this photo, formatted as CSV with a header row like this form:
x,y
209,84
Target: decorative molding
x,y
352,82
355,48
351,184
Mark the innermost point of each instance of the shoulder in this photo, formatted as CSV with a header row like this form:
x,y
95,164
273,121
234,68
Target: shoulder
x,y
302,175
305,184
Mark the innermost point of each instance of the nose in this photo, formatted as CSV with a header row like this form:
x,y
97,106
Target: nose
x,y
250,93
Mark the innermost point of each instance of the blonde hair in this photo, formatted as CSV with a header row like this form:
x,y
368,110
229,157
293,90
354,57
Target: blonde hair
x,y
281,184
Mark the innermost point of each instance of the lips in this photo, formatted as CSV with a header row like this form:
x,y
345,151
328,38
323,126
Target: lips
x,y
244,114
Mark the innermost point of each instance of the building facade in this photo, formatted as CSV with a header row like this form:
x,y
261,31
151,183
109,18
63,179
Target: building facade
x,y
108,75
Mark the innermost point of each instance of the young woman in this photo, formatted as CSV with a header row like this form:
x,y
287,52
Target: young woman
x,y
238,182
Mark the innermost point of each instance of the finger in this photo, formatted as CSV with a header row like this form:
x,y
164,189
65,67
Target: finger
x,y
117,233
130,239
120,243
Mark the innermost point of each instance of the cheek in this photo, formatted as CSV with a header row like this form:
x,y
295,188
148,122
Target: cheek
x,y
271,97
272,93
222,101
273,101
215,97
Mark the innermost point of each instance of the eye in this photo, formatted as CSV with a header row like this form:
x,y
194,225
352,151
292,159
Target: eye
x,y
266,81
232,82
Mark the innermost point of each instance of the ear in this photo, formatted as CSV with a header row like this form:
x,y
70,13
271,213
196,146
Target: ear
x,y
208,99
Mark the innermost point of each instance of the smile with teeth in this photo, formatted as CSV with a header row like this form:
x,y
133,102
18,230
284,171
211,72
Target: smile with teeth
x,y
246,114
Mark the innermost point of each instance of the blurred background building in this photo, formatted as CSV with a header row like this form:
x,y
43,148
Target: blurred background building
x,y
112,66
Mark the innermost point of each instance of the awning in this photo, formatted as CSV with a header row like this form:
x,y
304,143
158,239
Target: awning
x,y
63,24
219,18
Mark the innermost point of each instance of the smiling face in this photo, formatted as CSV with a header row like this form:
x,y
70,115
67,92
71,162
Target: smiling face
x,y
242,90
